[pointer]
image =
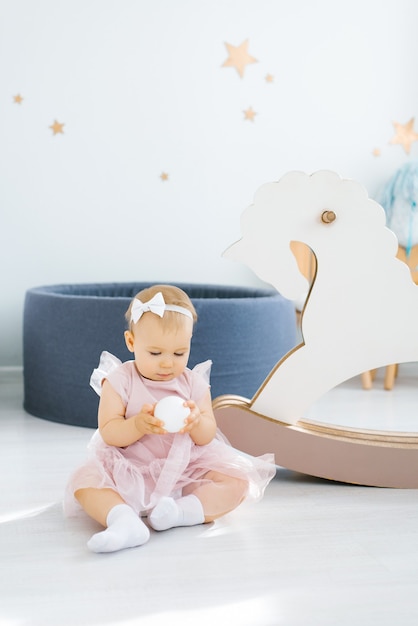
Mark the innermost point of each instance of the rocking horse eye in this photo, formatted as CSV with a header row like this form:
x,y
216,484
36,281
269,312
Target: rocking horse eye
x,y
328,217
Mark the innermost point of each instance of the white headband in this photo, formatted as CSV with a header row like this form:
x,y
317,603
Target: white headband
x,y
155,305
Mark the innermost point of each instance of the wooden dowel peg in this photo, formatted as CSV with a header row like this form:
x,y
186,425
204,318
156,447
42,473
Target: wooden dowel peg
x,y
328,217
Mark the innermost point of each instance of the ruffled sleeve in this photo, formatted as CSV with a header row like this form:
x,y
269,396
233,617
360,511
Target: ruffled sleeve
x,y
203,369
200,379
107,364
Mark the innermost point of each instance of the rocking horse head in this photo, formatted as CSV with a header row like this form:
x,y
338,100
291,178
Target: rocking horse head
x,y
322,211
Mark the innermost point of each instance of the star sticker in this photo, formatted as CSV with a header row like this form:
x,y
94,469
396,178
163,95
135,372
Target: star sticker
x,y
238,57
249,114
405,134
57,128
18,99
376,152
164,176
269,78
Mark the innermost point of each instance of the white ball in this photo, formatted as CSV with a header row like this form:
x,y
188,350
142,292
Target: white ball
x,y
171,411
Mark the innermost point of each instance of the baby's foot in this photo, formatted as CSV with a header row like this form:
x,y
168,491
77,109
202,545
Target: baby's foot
x,y
124,530
168,513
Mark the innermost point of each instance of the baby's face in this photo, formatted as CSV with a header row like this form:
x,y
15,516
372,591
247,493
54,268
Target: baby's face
x,y
160,354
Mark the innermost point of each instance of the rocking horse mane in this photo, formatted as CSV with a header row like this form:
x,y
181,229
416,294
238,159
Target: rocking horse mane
x,y
290,210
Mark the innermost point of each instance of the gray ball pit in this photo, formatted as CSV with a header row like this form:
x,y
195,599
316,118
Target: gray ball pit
x,y
243,330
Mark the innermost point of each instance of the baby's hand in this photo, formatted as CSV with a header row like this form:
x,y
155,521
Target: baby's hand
x,y
146,423
193,418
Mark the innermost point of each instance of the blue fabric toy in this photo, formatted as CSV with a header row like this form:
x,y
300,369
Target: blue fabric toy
x,y
399,199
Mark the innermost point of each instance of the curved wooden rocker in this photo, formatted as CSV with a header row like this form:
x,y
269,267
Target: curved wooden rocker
x,y
361,457
360,314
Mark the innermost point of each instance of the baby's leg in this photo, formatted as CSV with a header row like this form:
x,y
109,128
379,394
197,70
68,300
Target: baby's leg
x,y
97,503
221,495
124,527
202,504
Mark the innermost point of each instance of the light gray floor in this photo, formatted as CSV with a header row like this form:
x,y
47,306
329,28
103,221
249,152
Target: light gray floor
x,y
312,553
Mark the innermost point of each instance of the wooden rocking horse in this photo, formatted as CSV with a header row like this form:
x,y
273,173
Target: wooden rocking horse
x,y
360,314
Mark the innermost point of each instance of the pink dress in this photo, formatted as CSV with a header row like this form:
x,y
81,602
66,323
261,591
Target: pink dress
x,y
160,465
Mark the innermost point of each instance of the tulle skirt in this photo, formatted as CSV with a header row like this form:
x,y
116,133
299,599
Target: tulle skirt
x,y
164,465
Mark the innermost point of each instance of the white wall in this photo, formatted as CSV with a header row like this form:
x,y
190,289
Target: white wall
x,y
141,89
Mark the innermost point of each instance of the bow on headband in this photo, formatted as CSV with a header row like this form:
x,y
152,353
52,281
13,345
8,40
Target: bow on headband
x,y
155,305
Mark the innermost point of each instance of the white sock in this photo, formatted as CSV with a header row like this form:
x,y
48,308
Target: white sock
x,y
168,513
124,530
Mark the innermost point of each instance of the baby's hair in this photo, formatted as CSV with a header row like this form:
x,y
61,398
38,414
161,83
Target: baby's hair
x,y
172,295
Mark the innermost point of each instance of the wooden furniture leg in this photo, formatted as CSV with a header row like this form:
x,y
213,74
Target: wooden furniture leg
x,y
390,375
366,380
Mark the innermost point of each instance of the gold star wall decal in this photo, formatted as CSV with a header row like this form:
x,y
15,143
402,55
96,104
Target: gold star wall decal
x,y
164,176
238,57
269,78
57,128
249,114
376,152
17,99
405,134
